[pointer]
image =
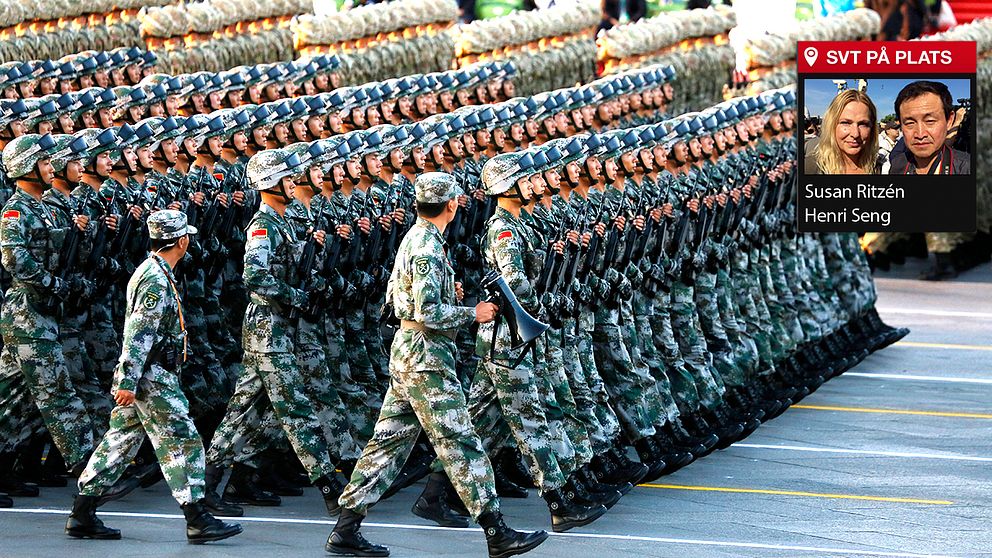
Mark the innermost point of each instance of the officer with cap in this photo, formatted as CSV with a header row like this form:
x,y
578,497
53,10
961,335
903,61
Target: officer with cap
x,y
424,296
149,399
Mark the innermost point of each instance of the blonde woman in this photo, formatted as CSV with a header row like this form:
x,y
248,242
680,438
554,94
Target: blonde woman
x,y
848,142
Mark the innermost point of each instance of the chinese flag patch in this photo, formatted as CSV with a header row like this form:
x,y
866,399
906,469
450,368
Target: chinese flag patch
x,y
259,233
504,235
12,214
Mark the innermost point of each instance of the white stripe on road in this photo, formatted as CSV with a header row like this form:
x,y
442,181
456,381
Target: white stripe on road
x,y
911,377
947,457
667,540
941,313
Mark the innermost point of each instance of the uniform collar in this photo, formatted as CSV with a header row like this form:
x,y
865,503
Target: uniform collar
x,y
164,265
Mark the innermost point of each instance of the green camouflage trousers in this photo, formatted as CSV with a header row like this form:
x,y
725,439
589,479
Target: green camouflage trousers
x,y
717,341
743,291
585,401
19,417
623,381
432,401
744,348
322,393
573,429
504,402
103,342
602,406
47,382
277,378
686,328
682,385
95,396
162,412
360,412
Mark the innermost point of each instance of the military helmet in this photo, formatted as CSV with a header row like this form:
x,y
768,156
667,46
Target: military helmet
x,y
22,154
267,169
500,173
61,151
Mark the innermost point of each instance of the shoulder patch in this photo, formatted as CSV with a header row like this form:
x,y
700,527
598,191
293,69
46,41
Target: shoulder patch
x,y
151,299
12,214
423,265
260,233
504,235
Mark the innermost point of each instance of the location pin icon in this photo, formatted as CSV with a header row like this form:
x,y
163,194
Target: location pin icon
x,y
810,54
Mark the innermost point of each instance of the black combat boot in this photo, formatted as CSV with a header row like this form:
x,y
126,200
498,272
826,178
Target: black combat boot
x,y
698,445
6,501
566,514
650,455
674,455
277,477
330,489
211,500
131,480
727,428
346,540
504,542
11,485
505,487
31,468
595,485
201,527
417,466
576,491
242,490
433,505
84,524
941,267
511,462
631,470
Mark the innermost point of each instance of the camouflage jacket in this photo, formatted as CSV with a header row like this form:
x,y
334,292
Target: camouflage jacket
x,y
270,276
508,248
421,289
154,333
30,242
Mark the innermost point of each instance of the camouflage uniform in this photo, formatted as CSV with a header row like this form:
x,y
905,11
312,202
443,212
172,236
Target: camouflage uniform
x,y
424,392
155,346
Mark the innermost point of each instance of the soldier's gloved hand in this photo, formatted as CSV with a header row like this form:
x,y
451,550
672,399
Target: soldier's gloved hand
x,y
59,289
81,287
612,276
463,254
337,283
625,290
315,284
699,260
110,266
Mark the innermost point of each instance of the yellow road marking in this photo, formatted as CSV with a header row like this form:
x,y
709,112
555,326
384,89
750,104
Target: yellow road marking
x,y
944,346
796,493
894,411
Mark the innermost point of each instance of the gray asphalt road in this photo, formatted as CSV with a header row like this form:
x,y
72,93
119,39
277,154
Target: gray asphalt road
x,y
892,459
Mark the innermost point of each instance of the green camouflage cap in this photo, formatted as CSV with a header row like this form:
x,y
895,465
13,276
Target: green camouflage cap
x,y
436,187
168,224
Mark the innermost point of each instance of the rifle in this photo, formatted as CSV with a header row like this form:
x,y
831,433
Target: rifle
x,y
305,265
70,248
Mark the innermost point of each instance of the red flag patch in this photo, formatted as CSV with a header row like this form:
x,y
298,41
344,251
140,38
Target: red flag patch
x,y
259,233
504,234
12,214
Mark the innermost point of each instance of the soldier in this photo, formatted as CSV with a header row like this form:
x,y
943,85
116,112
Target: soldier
x,y
423,386
30,244
149,401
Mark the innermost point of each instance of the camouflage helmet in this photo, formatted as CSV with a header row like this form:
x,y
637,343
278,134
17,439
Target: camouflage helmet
x,y
22,154
60,153
436,187
267,169
500,173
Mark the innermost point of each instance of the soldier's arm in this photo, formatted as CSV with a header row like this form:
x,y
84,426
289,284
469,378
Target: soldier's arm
x,y
258,275
17,258
429,308
509,260
140,332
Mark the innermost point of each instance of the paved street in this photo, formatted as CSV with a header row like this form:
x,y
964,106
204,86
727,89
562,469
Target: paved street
x,y
892,459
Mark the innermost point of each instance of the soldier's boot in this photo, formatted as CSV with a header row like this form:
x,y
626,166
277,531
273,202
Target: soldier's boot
x,y
128,483
697,445
347,466
212,500
889,334
674,455
727,428
505,487
347,540
650,455
331,488
276,476
433,503
595,485
83,522
511,462
10,484
504,542
762,397
146,466
6,501
633,471
566,514
576,491
31,468
242,490
941,267
417,466
201,527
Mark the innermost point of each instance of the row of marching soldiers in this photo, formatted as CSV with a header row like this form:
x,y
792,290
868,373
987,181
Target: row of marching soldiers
x,y
684,307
